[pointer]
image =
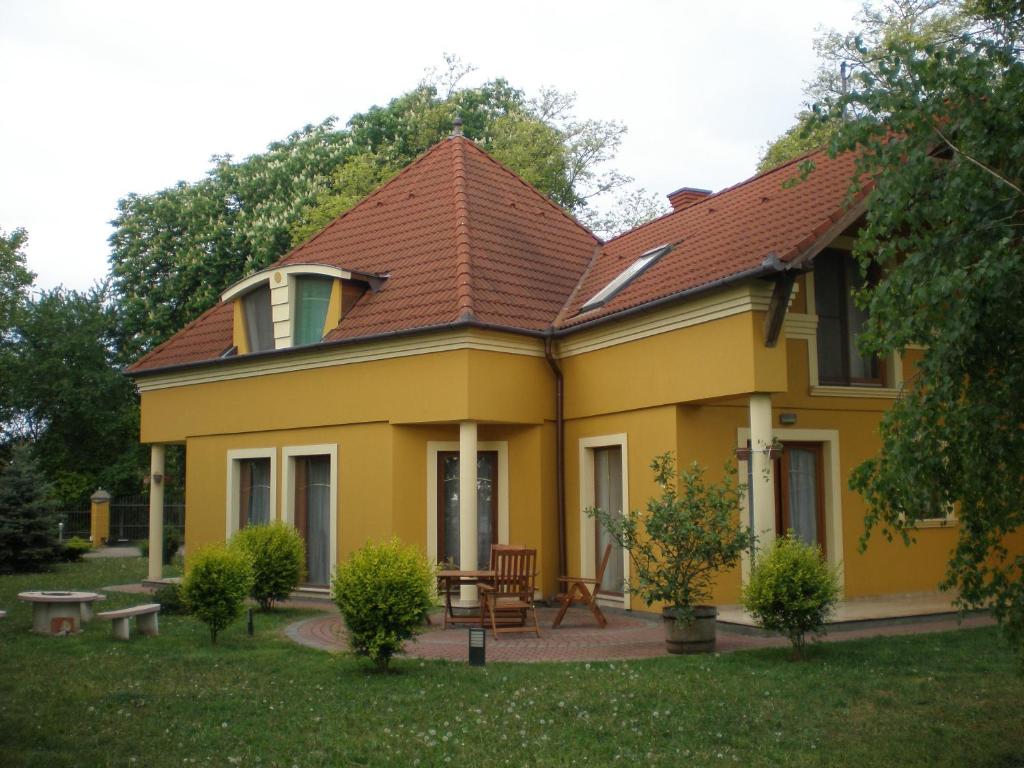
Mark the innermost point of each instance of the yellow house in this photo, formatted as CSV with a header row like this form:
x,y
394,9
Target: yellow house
x,y
457,362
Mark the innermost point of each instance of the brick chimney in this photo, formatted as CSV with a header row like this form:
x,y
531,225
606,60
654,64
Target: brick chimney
x,y
684,197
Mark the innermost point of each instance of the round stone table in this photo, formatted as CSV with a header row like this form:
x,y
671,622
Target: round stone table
x,y
60,613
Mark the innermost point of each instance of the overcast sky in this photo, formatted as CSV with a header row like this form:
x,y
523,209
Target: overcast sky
x,y
105,98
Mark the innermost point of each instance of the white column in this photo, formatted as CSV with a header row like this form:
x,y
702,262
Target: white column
x,y
156,511
467,505
762,479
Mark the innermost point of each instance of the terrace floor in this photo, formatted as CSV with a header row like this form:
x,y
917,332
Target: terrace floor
x,y
637,635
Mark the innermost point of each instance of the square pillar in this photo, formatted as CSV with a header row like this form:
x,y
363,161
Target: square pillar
x,y
762,480
99,518
157,454
468,554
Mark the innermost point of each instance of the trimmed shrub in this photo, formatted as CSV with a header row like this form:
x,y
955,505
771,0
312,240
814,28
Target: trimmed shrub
x,y
792,590
278,556
73,549
170,599
172,543
216,585
384,592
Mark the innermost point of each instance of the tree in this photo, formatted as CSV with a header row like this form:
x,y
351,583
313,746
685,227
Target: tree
x,y
15,280
68,400
879,27
940,138
28,526
173,252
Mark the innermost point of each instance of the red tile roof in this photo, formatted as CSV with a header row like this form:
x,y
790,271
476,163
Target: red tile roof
x,y
464,240
728,234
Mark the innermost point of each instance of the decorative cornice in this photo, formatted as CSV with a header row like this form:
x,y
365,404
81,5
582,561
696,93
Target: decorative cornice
x,y
748,297
348,355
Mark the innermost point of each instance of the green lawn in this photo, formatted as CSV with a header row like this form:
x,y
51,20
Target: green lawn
x,y
949,699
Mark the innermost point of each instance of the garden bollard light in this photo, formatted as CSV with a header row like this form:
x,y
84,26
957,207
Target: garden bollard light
x,y
60,531
477,646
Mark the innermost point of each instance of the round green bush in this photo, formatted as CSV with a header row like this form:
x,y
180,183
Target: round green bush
x,y
73,549
384,592
792,590
216,585
278,556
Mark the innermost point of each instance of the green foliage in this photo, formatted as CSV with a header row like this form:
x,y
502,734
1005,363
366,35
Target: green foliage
x,y
879,26
172,603
792,590
278,556
71,551
384,592
215,586
68,398
941,139
685,536
174,251
15,280
28,524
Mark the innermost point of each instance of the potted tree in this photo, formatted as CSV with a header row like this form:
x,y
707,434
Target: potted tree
x,y
677,545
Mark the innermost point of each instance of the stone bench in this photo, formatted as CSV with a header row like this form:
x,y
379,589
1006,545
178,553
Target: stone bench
x,y
145,620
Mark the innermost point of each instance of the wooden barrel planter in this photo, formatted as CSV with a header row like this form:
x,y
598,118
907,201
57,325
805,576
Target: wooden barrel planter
x,y
695,636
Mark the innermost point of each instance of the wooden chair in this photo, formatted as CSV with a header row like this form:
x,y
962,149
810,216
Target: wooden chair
x,y
508,599
580,591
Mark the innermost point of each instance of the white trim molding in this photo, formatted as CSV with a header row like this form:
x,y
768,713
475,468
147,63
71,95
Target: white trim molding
x,y
435,447
832,491
288,454
327,357
278,277
588,530
747,297
233,479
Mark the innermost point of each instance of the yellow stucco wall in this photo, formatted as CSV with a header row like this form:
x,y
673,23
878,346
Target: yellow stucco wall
x,y
684,390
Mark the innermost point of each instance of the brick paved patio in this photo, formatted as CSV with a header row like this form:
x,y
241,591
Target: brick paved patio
x,y
629,635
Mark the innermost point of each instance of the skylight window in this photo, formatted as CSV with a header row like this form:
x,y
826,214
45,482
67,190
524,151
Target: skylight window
x,y
625,277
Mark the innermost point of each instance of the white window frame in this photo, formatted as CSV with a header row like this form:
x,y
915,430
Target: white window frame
x,y
435,447
588,532
289,453
234,484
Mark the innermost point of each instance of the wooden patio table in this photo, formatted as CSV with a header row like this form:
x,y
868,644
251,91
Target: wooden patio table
x,y
60,613
452,579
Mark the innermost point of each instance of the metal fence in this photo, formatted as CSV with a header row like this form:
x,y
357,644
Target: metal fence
x,y
75,523
129,517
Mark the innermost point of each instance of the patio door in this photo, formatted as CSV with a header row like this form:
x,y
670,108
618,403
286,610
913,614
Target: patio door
x,y
608,496
799,493
448,507
313,515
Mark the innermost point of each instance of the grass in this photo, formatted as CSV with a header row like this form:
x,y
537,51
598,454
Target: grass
x,y
951,699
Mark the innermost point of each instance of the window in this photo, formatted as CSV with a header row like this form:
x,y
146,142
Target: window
x,y
841,322
259,326
312,297
312,509
624,277
253,492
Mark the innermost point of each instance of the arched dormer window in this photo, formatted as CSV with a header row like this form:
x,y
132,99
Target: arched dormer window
x,y
292,305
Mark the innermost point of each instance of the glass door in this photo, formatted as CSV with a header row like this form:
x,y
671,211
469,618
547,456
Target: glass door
x,y
313,515
799,496
448,507
608,496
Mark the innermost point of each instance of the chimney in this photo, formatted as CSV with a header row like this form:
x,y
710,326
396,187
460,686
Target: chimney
x,y
684,197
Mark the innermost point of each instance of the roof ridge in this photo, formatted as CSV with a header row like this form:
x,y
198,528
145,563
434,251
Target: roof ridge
x,y
598,250
533,190
719,193
463,271
380,189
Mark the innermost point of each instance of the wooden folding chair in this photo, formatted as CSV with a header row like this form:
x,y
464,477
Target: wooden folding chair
x,y
508,599
579,591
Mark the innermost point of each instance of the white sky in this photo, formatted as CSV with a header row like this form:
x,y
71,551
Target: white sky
x,y
100,99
